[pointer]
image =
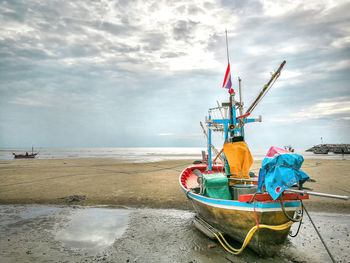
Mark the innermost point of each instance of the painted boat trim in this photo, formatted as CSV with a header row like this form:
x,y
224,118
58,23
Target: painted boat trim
x,y
237,205
243,206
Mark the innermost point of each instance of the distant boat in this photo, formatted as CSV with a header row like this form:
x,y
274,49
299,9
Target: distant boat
x,y
289,148
342,149
320,150
25,155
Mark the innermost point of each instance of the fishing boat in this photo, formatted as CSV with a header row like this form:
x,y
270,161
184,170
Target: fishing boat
x,y
319,149
25,155
289,148
229,199
224,193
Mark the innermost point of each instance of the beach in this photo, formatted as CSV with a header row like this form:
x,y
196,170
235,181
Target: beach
x,y
112,210
107,181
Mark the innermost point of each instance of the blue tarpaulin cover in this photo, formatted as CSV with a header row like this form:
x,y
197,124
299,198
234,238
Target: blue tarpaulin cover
x,y
280,171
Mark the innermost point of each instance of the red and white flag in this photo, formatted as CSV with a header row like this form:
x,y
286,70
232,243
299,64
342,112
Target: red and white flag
x,y
227,81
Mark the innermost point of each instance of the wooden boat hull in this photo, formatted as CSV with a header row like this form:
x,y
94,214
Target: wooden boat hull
x,y
237,223
235,218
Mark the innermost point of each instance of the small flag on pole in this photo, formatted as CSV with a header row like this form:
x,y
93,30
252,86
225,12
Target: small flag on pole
x,y
227,81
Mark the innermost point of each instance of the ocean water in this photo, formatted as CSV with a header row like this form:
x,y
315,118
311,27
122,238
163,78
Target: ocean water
x,y
144,154
126,154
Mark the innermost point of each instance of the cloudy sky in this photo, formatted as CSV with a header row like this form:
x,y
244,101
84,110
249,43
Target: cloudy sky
x,y
144,73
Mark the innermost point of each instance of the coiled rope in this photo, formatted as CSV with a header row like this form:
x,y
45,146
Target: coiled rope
x,y
248,237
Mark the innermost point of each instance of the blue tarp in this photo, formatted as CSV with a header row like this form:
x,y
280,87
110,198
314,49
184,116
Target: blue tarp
x,y
281,172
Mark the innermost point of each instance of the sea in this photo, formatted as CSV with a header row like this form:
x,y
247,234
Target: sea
x,y
148,154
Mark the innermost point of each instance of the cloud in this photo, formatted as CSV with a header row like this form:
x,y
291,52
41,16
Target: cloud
x,y
29,102
330,109
273,8
120,64
165,134
341,42
183,30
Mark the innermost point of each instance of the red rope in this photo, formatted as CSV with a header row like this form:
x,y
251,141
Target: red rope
x,y
256,214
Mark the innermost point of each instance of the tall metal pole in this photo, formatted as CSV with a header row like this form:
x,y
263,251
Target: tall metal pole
x,y
228,56
266,86
241,106
240,97
232,121
209,145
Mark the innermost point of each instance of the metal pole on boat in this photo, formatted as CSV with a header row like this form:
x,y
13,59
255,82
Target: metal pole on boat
x,y
228,57
220,109
241,105
240,97
241,179
343,197
212,146
266,87
209,144
204,131
232,100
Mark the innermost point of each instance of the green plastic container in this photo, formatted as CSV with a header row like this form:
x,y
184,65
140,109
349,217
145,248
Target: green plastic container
x,y
216,186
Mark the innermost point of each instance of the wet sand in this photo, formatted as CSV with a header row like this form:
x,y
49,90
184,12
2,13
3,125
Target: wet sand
x,y
39,233
152,184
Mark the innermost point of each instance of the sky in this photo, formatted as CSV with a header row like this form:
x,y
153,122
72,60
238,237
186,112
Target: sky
x,y
144,73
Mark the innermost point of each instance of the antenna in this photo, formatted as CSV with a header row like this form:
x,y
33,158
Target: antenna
x,y
228,56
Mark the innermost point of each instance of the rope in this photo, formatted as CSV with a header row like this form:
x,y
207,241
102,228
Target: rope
x,y
187,192
319,235
298,212
296,233
251,232
285,212
255,213
240,173
248,237
288,166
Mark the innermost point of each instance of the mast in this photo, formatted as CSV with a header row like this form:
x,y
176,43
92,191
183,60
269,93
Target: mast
x,y
266,87
232,103
233,125
240,97
241,106
228,56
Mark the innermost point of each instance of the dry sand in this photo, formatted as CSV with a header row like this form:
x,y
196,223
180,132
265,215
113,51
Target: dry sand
x,y
153,184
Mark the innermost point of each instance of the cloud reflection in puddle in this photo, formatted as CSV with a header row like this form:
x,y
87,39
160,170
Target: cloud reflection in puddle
x,y
94,229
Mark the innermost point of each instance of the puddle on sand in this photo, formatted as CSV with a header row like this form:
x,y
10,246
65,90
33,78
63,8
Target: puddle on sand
x,y
94,229
87,234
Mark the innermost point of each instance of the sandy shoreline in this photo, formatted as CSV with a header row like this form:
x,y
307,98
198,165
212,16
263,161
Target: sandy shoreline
x,y
152,184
